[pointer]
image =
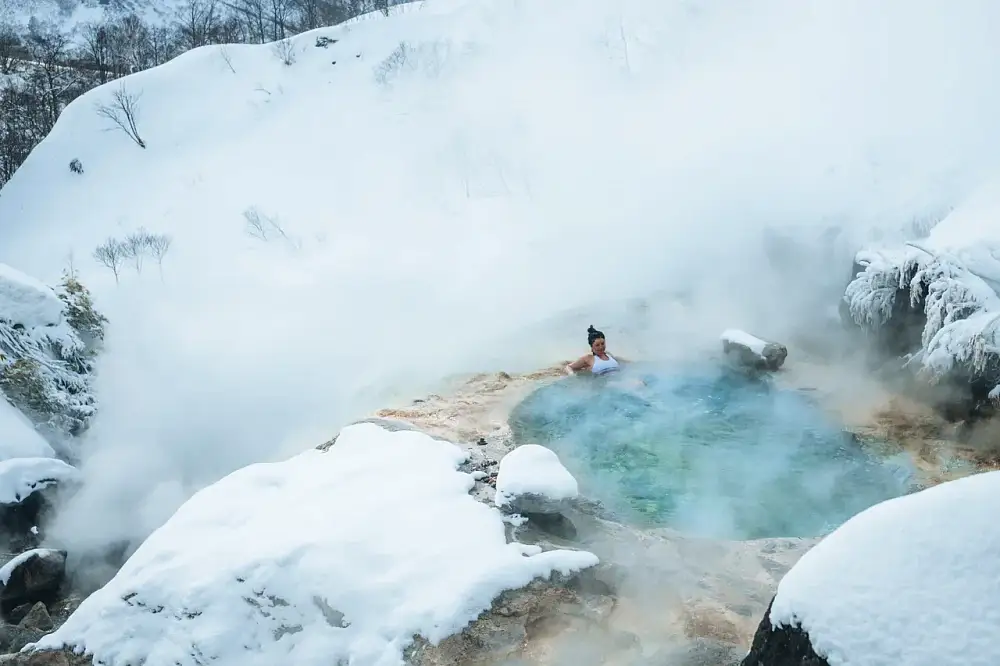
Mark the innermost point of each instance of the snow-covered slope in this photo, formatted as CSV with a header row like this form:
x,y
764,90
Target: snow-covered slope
x,y
912,581
406,202
329,557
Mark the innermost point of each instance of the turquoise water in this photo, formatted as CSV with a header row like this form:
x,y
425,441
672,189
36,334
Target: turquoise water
x,y
709,451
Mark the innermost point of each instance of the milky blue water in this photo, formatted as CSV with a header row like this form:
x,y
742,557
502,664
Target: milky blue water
x,y
709,451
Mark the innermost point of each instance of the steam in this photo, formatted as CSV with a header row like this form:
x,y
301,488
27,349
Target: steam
x,y
524,182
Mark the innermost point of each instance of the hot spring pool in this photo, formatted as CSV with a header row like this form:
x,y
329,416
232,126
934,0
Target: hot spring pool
x,y
710,452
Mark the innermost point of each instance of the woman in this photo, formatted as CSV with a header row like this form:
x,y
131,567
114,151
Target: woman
x,y
599,361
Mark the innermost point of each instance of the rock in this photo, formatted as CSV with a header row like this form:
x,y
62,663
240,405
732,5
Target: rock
x,y
751,352
532,480
781,646
35,575
528,624
37,618
35,624
46,658
700,652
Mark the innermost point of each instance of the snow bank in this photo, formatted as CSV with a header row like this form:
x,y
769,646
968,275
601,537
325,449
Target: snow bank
x,y
324,558
19,477
18,439
533,470
913,580
738,337
26,301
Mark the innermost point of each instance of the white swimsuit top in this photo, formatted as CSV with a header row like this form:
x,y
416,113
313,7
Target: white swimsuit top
x,y
601,366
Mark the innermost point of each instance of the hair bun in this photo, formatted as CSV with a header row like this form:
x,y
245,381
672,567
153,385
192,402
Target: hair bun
x,y
591,329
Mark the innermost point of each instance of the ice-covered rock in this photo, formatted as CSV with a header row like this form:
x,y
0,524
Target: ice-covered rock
x,y
531,479
913,580
752,352
330,556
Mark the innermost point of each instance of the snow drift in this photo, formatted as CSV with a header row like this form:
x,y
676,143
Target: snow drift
x,y
912,580
340,556
464,186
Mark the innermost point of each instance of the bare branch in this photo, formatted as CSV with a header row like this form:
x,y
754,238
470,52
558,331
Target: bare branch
x,y
123,111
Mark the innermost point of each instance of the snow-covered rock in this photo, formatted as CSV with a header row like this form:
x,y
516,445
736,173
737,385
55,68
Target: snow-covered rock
x,y
913,580
20,477
329,556
752,352
34,575
531,479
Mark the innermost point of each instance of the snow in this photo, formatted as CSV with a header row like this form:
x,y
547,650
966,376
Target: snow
x,y
26,301
472,201
912,580
738,337
7,569
18,439
19,477
536,470
328,557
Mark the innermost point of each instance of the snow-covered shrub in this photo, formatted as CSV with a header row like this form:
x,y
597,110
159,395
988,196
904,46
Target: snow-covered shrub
x,y
79,310
933,309
76,166
47,342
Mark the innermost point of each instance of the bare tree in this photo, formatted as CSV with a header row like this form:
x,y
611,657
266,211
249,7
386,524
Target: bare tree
x,y
135,246
158,245
10,43
263,227
111,254
122,112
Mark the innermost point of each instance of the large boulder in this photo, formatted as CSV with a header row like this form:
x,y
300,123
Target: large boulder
x,y
749,351
32,576
913,580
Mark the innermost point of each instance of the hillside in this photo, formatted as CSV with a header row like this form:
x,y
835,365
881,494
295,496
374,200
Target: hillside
x,y
363,210
71,13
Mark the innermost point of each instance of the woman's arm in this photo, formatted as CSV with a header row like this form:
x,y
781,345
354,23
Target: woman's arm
x,y
577,365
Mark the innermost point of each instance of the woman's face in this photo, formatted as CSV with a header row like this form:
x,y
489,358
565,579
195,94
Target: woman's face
x,y
598,346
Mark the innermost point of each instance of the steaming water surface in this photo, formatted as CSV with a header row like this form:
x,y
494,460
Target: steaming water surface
x,y
709,451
